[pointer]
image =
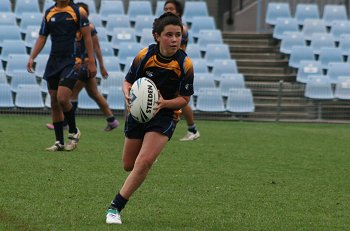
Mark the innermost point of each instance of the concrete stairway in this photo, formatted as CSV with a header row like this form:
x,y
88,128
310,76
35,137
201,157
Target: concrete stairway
x,y
277,95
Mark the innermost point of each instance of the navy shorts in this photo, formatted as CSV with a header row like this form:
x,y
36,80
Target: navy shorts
x,y
60,71
83,73
163,124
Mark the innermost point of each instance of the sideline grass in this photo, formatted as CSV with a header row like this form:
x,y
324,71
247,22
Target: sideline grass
x,y
238,176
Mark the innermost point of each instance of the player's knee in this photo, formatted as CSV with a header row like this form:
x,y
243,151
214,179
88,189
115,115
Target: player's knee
x,y
128,167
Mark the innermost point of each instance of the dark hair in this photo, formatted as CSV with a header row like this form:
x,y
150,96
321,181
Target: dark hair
x,y
178,6
84,6
165,19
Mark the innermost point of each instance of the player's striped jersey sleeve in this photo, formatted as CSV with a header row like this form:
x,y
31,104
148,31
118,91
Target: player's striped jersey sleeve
x,y
131,75
186,87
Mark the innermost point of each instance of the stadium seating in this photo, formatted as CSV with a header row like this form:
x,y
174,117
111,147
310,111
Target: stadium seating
x,y
210,100
111,8
308,68
201,23
26,6
203,80
227,81
32,34
40,66
16,62
193,51
224,66
115,98
5,6
30,19
339,28
96,19
334,12
306,11
336,70
12,47
43,86
159,8
277,10
139,8
284,25
22,77
146,37
111,64
128,49
300,53
344,44
216,51
328,55
102,34
342,88
121,35
3,78
29,96
313,26
208,36
117,21
318,87
240,100
6,100
47,101
107,49
199,65
12,33
291,39
321,40
7,18
115,79
92,6
193,9
143,22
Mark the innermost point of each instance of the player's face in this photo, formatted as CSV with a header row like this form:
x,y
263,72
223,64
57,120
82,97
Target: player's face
x,y
170,7
169,40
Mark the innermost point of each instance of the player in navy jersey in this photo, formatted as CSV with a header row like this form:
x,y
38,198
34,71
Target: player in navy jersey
x,y
176,8
171,70
62,21
90,84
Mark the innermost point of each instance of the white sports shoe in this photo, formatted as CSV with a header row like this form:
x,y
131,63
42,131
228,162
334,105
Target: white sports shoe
x,y
56,147
190,136
73,140
113,217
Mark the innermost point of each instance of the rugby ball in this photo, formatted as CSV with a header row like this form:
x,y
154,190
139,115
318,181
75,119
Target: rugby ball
x,y
143,98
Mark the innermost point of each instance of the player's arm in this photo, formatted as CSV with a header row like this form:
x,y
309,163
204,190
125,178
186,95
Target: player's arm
x,y
86,32
126,90
98,52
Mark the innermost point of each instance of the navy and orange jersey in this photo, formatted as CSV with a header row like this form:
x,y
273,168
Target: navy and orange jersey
x,y
173,76
62,24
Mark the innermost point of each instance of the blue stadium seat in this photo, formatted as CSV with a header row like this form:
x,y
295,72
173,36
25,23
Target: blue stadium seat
x,y
318,87
313,26
227,81
344,44
96,19
117,21
121,35
12,47
16,62
203,80
210,100
306,11
47,101
277,10
139,8
12,33
29,96
284,25
321,40
43,86
115,79
339,28
85,102
115,98
199,65
308,68
201,23
5,6
216,51
32,34
291,39
328,55
30,19
143,22
111,64
40,65
107,49
334,12
207,36
336,70
240,100
193,9
102,34
6,100
146,37
26,6
47,4
3,78
342,88
114,7
7,18
300,53
159,8
22,77
224,66
128,49
193,51
91,4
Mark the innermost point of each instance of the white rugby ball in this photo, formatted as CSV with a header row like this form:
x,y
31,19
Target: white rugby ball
x,y
144,95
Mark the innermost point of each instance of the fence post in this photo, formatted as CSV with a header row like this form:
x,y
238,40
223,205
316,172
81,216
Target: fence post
x,y
279,100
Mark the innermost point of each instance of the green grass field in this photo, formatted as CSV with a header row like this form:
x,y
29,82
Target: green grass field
x,y
238,176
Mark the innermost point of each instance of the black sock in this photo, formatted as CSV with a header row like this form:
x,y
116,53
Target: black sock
x,y
110,119
118,203
192,128
74,105
70,116
58,126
